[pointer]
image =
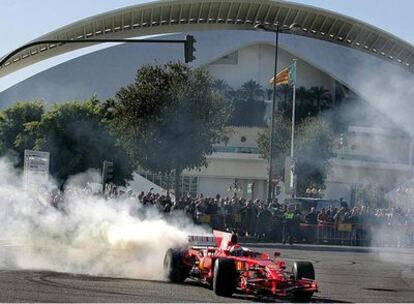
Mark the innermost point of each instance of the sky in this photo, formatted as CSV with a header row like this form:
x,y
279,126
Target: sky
x,y
25,20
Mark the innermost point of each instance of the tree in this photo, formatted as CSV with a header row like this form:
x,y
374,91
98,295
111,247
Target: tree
x,y
322,98
169,118
372,196
281,143
77,138
304,105
106,109
313,148
248,105
252,90
284,100
13,134
223,87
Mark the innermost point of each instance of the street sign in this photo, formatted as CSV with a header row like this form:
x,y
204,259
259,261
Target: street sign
x,y
107,171
290,168
36,168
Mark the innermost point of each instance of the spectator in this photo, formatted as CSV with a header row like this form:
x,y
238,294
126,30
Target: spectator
x,y
322,216
311,217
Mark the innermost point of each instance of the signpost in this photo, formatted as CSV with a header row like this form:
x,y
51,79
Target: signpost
x,y
36,168
107,172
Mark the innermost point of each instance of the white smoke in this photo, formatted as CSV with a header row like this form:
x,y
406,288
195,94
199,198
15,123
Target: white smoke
x,y
389,92
115,237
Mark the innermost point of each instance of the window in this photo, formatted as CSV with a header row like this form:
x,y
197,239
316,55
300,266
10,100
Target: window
x,y
232,149
189,184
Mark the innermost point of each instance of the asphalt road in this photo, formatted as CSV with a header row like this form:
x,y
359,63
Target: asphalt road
x,y
344,275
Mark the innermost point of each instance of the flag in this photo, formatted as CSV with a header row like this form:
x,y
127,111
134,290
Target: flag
x,y
285,76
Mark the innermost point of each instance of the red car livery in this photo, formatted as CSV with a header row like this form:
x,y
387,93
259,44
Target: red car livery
x,y
220,262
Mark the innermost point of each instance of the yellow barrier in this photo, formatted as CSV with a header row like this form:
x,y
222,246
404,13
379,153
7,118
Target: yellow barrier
x,y
345,227
205,218
237,218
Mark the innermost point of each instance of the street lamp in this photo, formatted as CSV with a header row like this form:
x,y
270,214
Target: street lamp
x,y
276,29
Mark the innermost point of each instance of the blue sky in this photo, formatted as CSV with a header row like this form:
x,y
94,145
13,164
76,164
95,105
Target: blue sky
x,y
24,20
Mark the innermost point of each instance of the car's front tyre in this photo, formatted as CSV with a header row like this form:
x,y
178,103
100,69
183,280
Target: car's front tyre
x,y
224,280
303,270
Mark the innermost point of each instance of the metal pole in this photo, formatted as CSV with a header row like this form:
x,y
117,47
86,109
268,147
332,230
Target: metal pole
x,y
292,139
269,185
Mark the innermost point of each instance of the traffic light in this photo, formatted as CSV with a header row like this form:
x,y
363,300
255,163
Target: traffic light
x,y
189,49
107,171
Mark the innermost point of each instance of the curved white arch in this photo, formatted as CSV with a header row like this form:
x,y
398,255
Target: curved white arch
x,y
170,16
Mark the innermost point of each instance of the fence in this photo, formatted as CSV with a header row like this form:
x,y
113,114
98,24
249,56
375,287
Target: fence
x,y
352,234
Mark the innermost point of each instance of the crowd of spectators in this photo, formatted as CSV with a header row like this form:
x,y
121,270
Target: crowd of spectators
x,y
360,215
256,218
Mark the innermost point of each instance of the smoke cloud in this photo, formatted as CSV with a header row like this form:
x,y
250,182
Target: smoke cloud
x,y
385,103
91,235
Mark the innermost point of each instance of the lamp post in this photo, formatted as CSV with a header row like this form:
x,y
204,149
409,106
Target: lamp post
x,y
276,28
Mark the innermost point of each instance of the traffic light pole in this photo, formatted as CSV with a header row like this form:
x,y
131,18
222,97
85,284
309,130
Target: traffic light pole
x,y
107,173
188,45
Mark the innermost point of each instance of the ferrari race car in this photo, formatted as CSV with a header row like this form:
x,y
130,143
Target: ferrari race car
x,y
220,262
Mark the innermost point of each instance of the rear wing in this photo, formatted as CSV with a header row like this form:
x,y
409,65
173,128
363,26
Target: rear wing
x,y
219,239
202,240
223,239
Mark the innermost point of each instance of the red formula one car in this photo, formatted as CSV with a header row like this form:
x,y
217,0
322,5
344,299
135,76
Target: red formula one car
x,y
220,262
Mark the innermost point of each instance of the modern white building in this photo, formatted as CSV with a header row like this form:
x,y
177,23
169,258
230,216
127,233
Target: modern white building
x,y
370,156
235,167
332,50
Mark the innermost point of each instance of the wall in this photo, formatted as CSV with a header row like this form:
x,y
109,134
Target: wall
x,y
256,62
250,134
212,186
369,156
234,165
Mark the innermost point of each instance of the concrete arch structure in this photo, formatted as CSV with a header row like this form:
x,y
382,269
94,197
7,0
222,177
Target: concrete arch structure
x,y
383,84
171,16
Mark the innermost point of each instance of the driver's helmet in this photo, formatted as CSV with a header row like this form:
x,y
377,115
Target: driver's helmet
x,y
237,250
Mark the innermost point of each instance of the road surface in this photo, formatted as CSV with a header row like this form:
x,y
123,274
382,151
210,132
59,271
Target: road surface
x,y
344,274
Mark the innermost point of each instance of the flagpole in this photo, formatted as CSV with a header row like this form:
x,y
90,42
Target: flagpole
x,y
292,139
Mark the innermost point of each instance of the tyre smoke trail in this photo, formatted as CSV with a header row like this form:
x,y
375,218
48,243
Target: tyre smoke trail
x,y
92,235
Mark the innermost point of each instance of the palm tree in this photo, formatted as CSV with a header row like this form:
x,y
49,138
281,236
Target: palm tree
x,y
248,104
283,91
304,107
321,97
252,90
284,103
223,87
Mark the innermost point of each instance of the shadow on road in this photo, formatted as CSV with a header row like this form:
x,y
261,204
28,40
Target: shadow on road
x,y
263,299
325,300
284,300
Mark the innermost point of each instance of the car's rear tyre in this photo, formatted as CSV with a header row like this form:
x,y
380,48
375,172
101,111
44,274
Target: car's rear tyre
x,y
303,270
224,280
174,267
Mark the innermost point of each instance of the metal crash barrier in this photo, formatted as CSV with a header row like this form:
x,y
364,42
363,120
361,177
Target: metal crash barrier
x,y
352,234
342,233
